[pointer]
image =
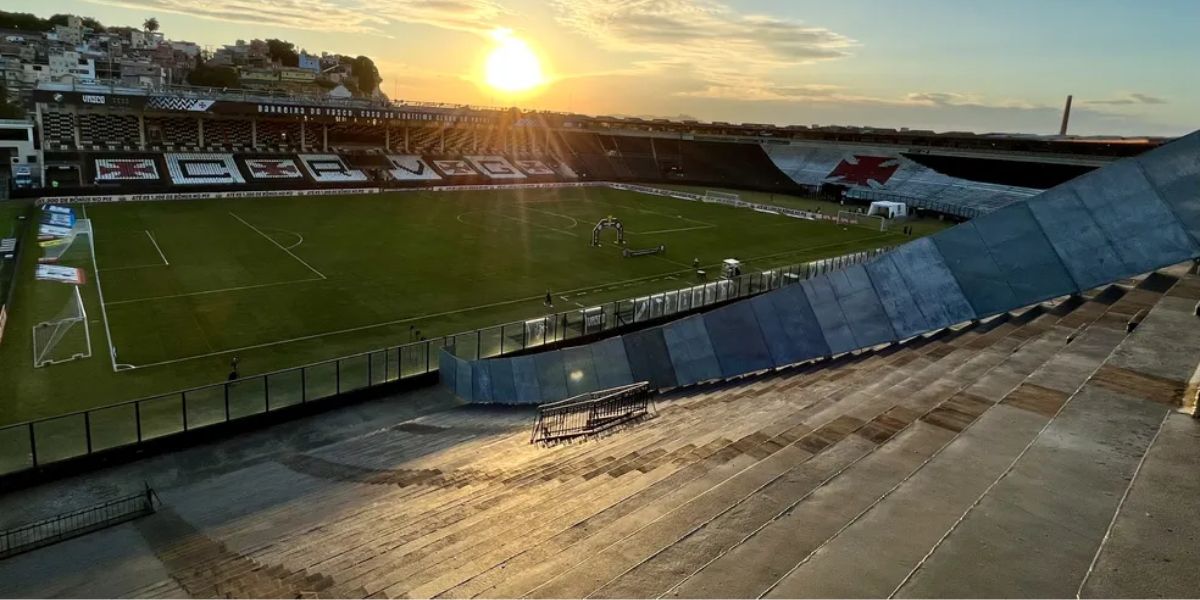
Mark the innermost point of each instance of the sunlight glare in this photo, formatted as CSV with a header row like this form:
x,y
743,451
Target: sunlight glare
x,y
512,66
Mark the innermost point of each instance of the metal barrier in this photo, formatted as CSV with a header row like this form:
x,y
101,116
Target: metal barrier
x,y
593,413
33,444
76,523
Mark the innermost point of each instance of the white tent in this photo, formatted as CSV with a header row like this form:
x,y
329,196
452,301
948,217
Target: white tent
x,y
888,209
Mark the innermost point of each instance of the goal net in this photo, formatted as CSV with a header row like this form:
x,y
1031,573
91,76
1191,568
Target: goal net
x,y
857,219
65,337
722,197
76,244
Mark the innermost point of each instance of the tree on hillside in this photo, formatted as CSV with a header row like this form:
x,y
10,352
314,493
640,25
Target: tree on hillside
x,y
150,24
206,76
283,52
364,70
24,22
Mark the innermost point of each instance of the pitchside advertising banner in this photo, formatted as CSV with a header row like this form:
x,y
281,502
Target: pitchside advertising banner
x,y
60,274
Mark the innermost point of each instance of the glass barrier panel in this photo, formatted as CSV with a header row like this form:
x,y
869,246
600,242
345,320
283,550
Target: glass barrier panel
x,y
247,397
466,345
113,426
412,358
163,415
513,337
60,438
572,325
353,373
320,381
285,388
489,342
380,369
205,406
15,452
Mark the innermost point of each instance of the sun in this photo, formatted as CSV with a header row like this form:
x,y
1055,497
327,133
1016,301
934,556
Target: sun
x,y
512,66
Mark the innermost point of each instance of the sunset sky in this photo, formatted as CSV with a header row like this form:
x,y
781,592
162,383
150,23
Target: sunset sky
x,y
933,64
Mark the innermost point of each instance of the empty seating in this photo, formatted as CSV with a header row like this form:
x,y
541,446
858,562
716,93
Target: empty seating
x,y
329,168
198,168
99,131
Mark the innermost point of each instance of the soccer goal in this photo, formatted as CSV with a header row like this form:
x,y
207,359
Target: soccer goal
x,y
876,222
78,241
65,337
722,197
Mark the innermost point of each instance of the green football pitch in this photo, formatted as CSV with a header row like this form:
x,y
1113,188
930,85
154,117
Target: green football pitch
x,y
184,286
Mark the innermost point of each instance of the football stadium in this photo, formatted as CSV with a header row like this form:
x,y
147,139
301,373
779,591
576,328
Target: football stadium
x,y
262,342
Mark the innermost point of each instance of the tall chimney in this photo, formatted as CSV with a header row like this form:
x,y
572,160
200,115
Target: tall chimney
x,y
1066,117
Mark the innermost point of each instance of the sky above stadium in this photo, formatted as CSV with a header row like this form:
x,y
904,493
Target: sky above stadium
x,y
925,64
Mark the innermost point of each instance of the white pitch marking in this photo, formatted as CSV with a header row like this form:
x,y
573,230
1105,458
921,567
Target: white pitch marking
x,y
280,246
112,351
166,263
206,292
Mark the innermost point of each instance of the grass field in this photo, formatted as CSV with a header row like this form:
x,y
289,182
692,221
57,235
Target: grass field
x,y
281,282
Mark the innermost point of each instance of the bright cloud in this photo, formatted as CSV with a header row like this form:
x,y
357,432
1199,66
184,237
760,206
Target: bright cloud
x,y
344,16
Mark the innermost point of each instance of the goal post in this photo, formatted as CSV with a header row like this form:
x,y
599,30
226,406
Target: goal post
x,y
722,197
65,337
857,219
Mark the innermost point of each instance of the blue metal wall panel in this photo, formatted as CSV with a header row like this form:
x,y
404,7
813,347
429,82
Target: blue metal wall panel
x,y
1029,263
906,317
932,284
649,359
580,370
829,315
737,340
979,277
1071,228
1174,171
504,391
612,366
481,382
525,380
691,351
552,379
1140,226
868,321
789,327
448,370
466,380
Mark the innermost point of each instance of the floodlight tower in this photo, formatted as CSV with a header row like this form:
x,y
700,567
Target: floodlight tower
x,y
1066,117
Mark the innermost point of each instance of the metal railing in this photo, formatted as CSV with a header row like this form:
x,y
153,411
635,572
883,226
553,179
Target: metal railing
x,y
33,444
593,413
76,523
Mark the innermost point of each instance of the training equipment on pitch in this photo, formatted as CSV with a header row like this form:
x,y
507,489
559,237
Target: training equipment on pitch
x,y
609,222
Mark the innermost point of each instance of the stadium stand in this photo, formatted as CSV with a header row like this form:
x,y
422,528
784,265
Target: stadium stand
x,y
329,168
1001,458
279,136
494,167
108,132
58,131
196,169
873,175
271,168
173,133
124,169
233,135
411,167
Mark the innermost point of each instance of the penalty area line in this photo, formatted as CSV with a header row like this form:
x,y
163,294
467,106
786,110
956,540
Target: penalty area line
x,y
166,263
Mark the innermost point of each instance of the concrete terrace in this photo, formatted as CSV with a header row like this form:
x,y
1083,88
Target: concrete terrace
x,y
1041,453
